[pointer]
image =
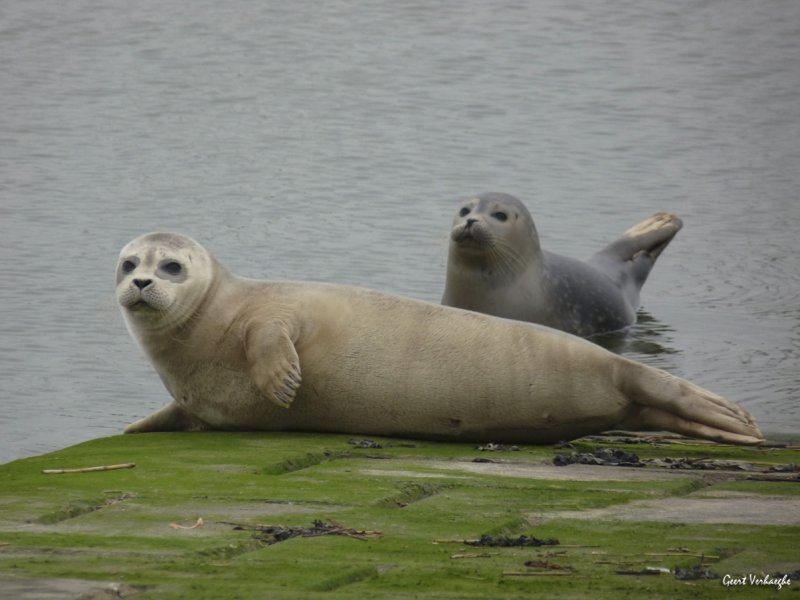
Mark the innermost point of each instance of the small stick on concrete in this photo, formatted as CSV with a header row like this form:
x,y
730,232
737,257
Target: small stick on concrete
x,y
709,556
537,573
198,523
89,469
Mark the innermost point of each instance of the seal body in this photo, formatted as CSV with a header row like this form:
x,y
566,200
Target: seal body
x,y
496,266
244,354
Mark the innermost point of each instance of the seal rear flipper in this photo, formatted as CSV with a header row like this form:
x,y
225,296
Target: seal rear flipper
x,y
664,401
654,419
169,418
273,362
639,247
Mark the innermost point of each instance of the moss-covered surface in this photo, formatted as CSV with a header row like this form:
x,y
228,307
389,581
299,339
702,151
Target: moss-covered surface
x,y
109,533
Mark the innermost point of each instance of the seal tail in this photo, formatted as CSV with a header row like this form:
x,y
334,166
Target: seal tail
x,y
640,246
665,402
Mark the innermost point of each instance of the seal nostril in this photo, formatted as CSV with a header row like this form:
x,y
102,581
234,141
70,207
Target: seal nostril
x,y
142,283
470,222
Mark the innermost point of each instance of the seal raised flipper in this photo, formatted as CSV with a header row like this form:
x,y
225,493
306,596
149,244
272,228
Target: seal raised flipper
x,y
629,259
651,236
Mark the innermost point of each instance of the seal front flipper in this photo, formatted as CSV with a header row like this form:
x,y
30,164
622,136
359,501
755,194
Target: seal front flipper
x,y
273,362
169,418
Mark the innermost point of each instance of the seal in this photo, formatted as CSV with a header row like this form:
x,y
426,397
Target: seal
x,y
238,353
497,266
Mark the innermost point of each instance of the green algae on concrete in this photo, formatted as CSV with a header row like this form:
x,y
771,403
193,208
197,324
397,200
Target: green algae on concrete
x,y
112,534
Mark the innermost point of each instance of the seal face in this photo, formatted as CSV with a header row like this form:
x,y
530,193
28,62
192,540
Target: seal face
x,y
238,353
496,266
161,280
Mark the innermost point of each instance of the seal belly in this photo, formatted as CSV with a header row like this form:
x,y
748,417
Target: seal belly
x,y
451,375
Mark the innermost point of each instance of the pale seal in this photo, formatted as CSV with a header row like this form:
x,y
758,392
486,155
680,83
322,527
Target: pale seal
x,y
496,266
238,353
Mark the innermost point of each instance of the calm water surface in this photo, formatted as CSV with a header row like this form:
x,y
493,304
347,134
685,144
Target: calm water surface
x,y
332,140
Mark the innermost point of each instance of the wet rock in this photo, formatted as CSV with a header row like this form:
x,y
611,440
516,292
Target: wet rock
x,y
645,571
600,456
272,534
695,572
790,468
700,464
367,444
502,541
497,448
543,564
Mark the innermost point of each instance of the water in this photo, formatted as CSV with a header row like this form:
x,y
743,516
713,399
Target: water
x,y
332,140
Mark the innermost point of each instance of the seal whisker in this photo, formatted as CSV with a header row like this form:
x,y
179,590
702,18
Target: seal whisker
x,y
508,257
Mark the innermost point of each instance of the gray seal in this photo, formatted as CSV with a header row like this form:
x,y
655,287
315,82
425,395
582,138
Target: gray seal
x,y
496,265
239,353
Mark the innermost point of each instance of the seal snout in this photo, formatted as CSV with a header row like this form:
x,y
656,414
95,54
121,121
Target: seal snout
x,y
465,231
471,233
141,293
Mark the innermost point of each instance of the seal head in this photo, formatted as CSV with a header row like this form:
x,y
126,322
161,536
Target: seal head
x,y
496,234
162,279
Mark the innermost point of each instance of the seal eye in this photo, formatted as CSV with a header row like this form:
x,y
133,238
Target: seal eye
x,y
463,212
172,267
128,266
500,216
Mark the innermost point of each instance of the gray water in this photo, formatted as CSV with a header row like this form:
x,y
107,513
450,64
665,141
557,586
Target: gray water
x,y
332,141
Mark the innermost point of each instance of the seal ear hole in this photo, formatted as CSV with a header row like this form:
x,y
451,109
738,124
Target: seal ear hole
x,y
500,216
172,267
128,266
463,212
